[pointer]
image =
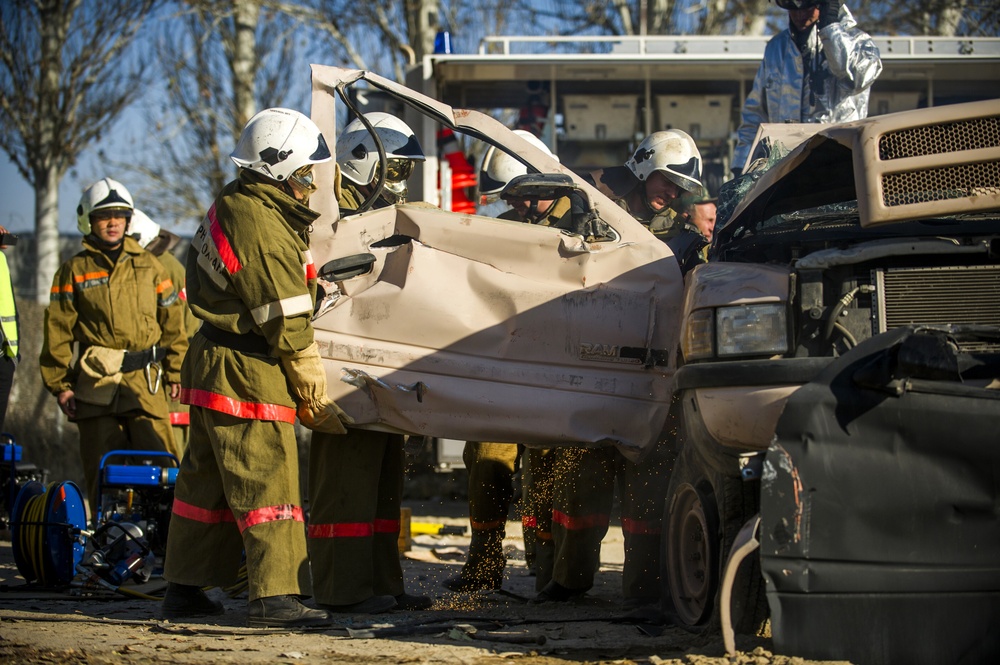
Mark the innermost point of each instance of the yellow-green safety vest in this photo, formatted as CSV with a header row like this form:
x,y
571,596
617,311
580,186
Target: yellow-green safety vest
x,y
8,313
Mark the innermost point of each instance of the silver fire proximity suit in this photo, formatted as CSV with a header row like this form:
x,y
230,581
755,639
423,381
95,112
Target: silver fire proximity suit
x,y
827,81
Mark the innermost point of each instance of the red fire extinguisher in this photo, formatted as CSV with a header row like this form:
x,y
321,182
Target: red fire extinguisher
x,y
463,176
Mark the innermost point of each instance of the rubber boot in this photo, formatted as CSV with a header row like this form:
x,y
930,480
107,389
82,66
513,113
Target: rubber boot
x,y
183,601
545,556
483,569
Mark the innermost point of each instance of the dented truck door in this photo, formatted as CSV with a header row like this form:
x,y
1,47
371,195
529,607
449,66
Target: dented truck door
x,y
467,327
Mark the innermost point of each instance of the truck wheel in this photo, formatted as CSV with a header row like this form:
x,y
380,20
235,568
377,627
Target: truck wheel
x,y
690,547
704,510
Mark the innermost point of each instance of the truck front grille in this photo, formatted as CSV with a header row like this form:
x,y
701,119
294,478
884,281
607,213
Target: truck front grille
x,y
936,296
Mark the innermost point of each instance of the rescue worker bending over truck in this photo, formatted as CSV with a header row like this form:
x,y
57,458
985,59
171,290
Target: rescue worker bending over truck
x,y
116,301
252,366
356,479
663,166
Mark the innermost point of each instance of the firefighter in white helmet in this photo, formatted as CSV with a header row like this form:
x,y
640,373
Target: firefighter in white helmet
x,y
492,466
159,242
118,304
356,479
662,168
358,158
252,367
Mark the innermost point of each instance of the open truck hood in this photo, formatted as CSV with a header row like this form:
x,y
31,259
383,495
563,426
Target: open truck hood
x,y
899,167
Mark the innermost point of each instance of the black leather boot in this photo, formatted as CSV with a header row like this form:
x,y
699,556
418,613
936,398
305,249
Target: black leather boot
x,y
184,601
284,612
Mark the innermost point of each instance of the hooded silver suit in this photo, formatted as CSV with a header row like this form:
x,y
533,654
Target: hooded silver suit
x,y
828,81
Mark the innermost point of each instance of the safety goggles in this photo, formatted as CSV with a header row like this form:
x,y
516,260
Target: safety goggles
x,y
397,170
796,4
304,178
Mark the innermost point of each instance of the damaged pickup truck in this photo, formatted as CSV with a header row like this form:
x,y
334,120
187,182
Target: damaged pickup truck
x,y
832,372
839,399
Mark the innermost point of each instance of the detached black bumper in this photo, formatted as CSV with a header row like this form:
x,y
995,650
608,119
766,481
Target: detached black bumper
x,y
880,507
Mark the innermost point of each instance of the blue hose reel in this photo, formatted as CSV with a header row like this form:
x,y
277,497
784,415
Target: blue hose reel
x,y
53,546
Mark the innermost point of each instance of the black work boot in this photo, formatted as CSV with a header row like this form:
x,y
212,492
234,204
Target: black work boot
x,y
372,605
553,592
183,601
284,612
483,569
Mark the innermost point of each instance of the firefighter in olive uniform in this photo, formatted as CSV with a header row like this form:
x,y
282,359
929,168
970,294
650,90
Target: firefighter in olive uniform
x,y
492,466
252,367
356,480
159,242
117,303
663,166
690,246
648,192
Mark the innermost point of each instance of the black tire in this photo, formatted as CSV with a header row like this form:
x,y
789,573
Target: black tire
x,y
707,503
691,547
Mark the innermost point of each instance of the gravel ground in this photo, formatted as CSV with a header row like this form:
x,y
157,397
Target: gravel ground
x,y
38,626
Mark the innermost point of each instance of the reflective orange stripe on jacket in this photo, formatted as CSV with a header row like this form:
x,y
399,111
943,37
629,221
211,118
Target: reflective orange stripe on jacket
x,y
222,246
234,407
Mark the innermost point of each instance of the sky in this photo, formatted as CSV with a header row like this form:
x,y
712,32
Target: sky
x,y
17,200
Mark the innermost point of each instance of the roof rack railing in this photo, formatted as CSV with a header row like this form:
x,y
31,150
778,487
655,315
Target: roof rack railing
x,y
722,46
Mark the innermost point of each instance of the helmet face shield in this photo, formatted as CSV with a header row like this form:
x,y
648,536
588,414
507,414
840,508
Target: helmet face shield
x,y
304,178
398,170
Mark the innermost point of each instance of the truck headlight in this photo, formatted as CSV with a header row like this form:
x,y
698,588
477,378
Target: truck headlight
x,y
739,330
751,330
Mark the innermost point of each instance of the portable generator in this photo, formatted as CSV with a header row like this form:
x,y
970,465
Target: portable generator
x,y
55,545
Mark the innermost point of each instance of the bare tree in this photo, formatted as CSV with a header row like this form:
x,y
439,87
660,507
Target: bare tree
x,y
221,62
65,76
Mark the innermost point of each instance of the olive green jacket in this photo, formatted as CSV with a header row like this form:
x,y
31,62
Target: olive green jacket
x,y
129,305
250,273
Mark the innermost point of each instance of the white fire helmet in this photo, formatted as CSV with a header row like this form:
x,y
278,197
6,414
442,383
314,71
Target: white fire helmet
x,y
103,194
499,168
142,228
671,152
358,155
277,142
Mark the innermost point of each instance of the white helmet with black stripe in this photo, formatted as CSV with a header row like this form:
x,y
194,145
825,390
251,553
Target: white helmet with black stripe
x,y
358,155
277,142
673,153
105,194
